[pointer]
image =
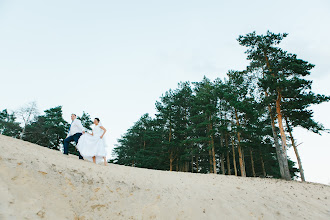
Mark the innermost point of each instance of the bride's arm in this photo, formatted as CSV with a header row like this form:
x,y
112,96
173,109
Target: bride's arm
x,y
104,130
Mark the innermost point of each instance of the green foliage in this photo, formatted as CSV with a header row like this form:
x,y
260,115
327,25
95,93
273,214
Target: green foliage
x,y
280,72
86,121
8,125
48,130
287,96
224,114
146,151
186,120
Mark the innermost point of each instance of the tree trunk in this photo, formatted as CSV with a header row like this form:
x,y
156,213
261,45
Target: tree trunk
x,y
228,159
280,120
214,168
223,164
213,156
302,175
240,159
262,165
197,167
281,155
210,160
22,133
170,133
252,163
222,156
240,152
171,161
234,159
171,154
177,164
31,110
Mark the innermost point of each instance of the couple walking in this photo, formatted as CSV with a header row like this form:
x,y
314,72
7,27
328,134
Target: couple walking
x,y
90,146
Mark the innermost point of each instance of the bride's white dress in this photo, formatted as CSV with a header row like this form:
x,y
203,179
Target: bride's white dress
x,y
92,145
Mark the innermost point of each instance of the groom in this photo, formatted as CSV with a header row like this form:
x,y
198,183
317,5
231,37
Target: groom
x,y
75,131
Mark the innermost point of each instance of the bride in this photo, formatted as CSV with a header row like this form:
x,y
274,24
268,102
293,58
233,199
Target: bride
x,y
92,146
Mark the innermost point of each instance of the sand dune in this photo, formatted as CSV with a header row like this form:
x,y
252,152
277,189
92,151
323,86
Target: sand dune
x,y
38,183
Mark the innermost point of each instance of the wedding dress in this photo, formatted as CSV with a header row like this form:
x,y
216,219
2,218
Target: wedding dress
x,y
92,145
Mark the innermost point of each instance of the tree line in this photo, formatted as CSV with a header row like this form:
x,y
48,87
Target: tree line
x,y
48,129
239,125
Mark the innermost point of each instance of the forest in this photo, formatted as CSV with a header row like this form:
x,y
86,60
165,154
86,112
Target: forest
x,y
240,125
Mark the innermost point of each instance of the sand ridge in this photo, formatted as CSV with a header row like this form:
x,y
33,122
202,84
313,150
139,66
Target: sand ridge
x,y
39,183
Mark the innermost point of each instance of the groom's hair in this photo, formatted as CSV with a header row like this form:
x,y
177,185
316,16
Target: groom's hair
x,y
74,114
97,119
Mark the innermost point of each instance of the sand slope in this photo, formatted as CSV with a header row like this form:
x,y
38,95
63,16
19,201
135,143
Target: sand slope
x,y
38,183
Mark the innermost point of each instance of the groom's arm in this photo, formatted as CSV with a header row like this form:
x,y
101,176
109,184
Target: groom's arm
x,y
68,133
80,126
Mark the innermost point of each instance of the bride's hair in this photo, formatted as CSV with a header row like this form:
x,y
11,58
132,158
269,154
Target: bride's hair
x,y
98,120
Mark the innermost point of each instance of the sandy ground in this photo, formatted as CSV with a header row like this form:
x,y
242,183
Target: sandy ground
x,y
38,183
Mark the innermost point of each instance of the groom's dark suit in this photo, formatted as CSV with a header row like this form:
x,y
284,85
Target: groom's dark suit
x,y
75,132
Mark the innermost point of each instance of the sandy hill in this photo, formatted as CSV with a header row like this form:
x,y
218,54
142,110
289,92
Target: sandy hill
x,y
38,183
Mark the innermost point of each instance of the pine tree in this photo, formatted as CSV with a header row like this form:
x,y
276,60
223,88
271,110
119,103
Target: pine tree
x,y
8,124
285,90
204,116
263,55
48,130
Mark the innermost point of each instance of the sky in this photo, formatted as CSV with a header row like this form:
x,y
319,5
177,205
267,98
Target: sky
x,y
114,59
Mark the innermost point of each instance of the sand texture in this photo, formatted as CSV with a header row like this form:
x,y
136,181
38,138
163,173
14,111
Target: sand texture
x,y
39,183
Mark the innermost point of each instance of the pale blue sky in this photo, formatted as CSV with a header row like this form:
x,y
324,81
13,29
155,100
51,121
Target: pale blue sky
x,y
114,59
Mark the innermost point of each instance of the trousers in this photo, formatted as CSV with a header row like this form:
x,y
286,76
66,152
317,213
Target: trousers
x,y
67,141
